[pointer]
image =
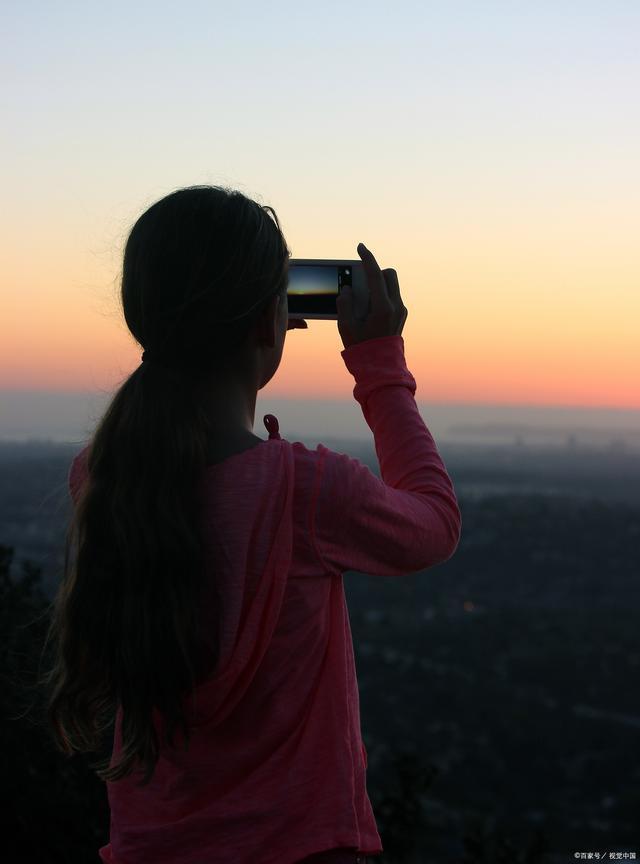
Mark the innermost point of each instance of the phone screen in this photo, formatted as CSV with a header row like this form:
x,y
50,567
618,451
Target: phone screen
x,y
314,287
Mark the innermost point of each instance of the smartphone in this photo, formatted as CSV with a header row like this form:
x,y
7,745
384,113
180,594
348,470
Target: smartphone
x,y
315,283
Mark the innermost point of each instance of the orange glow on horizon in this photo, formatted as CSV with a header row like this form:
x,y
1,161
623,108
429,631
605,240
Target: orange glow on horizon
x,y
495,344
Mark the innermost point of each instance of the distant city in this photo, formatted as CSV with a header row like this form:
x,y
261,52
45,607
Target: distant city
x,y
34,498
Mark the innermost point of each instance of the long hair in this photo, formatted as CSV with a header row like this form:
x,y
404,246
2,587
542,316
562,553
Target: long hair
x,y
199,266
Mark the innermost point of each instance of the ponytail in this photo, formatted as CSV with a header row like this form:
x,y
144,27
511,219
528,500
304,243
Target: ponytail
x,y
198,266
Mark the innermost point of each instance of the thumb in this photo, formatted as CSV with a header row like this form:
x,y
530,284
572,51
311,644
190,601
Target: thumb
x,y
343,300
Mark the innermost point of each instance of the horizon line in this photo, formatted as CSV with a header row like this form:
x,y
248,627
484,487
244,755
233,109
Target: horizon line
x,y
349,398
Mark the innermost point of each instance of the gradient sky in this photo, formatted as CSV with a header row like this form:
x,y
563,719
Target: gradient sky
x,y
487,151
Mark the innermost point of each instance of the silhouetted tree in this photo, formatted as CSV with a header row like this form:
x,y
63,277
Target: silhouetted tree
x,y
55,809
487,843
399,811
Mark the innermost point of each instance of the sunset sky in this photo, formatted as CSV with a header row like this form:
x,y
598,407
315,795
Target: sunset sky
x,y
487,151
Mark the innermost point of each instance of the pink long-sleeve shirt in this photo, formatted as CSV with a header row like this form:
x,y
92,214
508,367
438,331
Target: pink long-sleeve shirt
x,y
276,767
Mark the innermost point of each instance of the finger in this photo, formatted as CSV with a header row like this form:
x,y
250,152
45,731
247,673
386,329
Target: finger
x,y
393,286
375,279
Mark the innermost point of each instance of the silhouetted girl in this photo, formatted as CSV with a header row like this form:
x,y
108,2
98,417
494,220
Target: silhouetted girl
x,y
202,615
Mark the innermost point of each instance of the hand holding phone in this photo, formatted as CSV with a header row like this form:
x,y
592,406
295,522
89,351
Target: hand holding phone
x,y
364,299
386,313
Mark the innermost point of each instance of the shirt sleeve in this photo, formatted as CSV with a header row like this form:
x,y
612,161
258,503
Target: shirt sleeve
x,y
408,520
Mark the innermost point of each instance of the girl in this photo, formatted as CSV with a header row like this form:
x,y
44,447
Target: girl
x,y
203,587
